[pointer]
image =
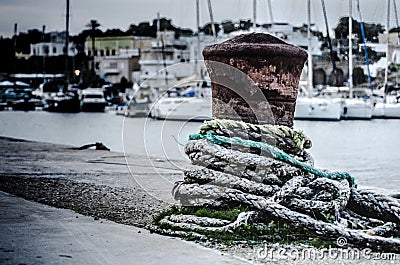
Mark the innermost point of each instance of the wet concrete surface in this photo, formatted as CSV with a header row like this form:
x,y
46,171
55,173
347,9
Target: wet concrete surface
x,y
33,159
88,189
33,233
95,183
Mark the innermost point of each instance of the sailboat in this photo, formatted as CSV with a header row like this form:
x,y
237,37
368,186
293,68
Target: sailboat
x,y
390,107
310,107
354,108
195,107
194,101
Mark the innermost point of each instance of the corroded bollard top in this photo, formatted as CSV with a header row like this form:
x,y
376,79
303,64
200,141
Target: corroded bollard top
x,y
255,78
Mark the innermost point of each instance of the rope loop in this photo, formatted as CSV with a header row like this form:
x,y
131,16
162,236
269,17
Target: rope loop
x,y
276,153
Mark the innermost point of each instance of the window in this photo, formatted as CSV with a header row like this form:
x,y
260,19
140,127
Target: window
x,y
107,52
45,49
101,52
113,52
54,50
93,96
113,65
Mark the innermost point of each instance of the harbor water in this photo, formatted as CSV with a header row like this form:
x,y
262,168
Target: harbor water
x,y
368,150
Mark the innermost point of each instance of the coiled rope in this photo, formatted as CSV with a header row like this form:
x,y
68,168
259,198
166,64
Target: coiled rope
x,y
273,183
275,153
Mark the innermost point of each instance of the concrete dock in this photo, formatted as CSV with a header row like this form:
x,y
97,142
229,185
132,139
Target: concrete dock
x,y
89,188
60,205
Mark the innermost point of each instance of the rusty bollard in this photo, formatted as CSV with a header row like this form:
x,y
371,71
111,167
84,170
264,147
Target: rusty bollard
x,y
255,78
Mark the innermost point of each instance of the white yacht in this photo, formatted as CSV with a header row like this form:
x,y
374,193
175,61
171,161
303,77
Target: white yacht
x,y
181,108
389,108
309,107
355,102
315,108
193,103
93,100
139,101
356,109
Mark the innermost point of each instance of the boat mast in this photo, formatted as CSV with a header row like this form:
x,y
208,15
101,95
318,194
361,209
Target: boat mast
x,y
15,53
162,49
310,68
198,70
158,46
333,57
270,12
365,45
212,21
66,42
397,21
350,49
44,55
387,50
254,15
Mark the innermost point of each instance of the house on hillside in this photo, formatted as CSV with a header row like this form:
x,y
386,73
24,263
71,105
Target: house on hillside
x,y
117,57
54,47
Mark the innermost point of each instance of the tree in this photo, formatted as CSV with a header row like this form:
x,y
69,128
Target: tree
x,y
358,76
115,33
24,40
207,29
228,26
6,55
143,29
93,25
165,24
342,28
371,30
245,24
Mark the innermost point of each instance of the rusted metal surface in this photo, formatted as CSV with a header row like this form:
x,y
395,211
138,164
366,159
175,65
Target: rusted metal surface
x,y
255,78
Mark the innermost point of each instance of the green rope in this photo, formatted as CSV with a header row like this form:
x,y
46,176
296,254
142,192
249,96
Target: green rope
x,y
298,137
275,153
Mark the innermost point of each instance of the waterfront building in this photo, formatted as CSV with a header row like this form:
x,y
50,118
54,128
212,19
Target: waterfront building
x,y
54,47
117,57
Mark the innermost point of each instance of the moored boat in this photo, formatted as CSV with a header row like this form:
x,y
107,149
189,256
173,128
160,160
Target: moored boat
x,y
356,109
192,103
309,107
389,108
183,108
317,109
64,102
26,104
93,100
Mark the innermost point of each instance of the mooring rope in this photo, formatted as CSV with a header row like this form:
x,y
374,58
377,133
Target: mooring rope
x,y
270,182
275,153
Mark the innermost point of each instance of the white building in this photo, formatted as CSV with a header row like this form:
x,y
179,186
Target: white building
x,y
55,47
113,67
117,57
167,61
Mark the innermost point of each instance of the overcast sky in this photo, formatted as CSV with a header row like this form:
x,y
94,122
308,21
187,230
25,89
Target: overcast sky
x,y
30,14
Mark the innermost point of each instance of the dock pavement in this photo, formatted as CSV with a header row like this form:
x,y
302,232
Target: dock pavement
x,y
60,205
